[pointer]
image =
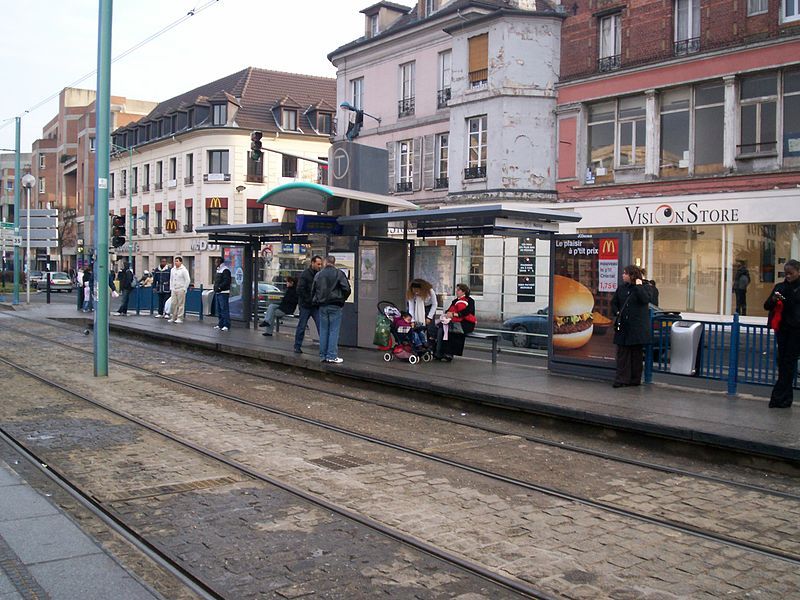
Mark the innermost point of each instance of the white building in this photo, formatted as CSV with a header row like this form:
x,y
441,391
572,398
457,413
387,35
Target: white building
x,y
191,163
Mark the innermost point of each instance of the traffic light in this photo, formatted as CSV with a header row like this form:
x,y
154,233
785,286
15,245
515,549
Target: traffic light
x,y
117,231
255,146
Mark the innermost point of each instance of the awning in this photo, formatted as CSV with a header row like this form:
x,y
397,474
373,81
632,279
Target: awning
x,y
486,219
302,195
251,232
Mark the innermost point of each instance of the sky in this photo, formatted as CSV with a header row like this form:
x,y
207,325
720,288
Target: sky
x,y
47,45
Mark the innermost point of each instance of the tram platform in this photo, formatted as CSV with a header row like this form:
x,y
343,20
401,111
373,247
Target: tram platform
x,y
668,408
43,554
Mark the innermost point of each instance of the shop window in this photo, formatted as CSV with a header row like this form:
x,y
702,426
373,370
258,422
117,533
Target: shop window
x,y
791,116
709,128
758,117
675,133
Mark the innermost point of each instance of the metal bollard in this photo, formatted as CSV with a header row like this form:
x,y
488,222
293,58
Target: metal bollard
x,y
201,302
48,287
733,356
648,355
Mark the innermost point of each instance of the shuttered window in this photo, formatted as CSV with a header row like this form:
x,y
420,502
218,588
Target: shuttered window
x,y
479,59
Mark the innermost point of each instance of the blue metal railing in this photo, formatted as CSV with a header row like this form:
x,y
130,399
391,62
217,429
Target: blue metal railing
x,y
729,351
144,299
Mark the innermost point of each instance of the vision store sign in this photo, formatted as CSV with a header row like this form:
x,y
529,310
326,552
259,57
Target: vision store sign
x,y
680,214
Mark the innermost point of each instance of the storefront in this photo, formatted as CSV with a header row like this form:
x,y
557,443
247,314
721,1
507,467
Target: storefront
x,y
694,246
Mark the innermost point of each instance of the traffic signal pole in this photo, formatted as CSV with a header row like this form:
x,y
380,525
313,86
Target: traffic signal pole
x,y
103,156
17,233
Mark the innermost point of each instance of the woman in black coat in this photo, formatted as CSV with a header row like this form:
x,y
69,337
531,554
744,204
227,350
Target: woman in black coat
x,y
788,333
632,327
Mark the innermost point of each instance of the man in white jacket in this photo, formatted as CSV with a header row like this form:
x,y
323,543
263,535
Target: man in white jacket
x,y
178,284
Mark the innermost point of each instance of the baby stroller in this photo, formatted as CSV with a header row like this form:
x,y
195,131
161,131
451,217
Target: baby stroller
x,y
398,345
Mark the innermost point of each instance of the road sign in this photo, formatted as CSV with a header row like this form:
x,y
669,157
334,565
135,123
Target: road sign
x,y
18,240
39,212
40,222
40,234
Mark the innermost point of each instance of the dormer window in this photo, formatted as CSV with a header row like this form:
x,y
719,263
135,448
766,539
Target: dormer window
x,y
324,122
289,119
431,6
372,25
220,114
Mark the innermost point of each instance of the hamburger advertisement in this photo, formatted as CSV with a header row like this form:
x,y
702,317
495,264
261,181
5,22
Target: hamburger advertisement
x,y
586,270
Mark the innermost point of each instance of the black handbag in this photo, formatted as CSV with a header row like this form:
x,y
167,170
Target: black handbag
x,y
618,318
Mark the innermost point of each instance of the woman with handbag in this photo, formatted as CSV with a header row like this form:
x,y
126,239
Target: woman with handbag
x,y
783,305
457,321
632,328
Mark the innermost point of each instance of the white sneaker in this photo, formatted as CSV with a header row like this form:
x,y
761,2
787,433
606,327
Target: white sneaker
x,y
157,316
216,326
170,320
336,360
224,329
179,320
117,314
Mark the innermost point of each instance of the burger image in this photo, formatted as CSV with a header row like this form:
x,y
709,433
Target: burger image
x,y
572,313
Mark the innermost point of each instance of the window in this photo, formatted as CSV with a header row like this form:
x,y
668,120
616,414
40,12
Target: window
x,y
255,169
445,77
687,26
124,181
357,93
442,154
189,219
476,264
173,168
610,43
478,60
190,118
324,122
146,177
41,185
431,6
675,132
791,10
372,24
9,185
41,161
255,215
172,214
600,137
759,100
91,144
289,166
476,160
216,216
220,114
631,131
159,174
111,187
406,103
158,221
189,169
405,166
709,128
218,161
791,114
756,7
289,119
135,180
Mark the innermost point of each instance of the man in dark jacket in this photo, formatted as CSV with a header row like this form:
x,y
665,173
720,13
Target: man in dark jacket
x,y
125,278
161,286
329,292
286,307
787,334
222,295
740,282
307,308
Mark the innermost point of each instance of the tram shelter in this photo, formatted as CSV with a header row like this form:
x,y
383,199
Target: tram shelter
x,y
354,226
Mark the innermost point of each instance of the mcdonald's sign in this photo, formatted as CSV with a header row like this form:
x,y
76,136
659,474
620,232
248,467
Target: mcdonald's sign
x,y
609,249
171,225
216,202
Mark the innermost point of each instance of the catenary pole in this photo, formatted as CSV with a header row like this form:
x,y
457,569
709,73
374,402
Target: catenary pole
x,y
103,109
17,184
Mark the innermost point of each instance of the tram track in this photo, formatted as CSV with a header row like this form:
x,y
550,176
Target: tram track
x,y
684,528
518,587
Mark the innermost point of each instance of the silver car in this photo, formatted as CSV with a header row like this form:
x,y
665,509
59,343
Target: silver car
x,y
59,282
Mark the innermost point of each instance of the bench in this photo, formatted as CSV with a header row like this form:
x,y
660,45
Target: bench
x,y
279,321
492,337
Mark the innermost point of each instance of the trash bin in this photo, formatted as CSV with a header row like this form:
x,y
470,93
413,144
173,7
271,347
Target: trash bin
x,y
684,347
208,300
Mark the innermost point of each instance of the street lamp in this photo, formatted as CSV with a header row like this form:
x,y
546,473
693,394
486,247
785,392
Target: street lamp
x,y
28,181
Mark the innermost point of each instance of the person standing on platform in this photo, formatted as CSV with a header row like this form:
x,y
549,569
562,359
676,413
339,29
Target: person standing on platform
x,y
276,311
307,309
179,281
785,301
222,295
161,276
125,278
740,282
632,328
329,292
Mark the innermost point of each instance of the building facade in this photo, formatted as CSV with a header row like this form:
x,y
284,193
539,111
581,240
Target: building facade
x,y
188,162
62,161
462,95
7,183
679,122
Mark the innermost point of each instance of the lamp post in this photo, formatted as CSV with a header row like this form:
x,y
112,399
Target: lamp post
x,y
28,181
129,220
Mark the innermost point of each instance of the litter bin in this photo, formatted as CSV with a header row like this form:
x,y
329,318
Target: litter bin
x,y
684,347
208,300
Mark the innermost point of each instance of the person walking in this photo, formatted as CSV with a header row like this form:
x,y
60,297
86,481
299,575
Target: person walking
x,y
307,309
286,307
161,276
222,295
87,289
179,281
785,301
125,278
329,292
740,282
632,328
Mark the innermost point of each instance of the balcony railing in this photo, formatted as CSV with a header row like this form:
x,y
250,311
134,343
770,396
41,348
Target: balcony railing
x,y
442,97
478,78
404,186
145,231
216,177
254,178
158,186
188,228
440,183
188,180
688,46
609,63
758,148
135,190
172,183
474,172
157,230
405,107
145,188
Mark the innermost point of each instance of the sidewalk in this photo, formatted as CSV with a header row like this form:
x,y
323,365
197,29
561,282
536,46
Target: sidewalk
x,y
43,554
739,422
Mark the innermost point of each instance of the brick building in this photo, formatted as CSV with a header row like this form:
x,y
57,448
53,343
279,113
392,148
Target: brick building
x,y
7,182
680,123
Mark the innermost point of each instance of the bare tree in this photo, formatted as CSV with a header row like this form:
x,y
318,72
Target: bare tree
x,y
67,231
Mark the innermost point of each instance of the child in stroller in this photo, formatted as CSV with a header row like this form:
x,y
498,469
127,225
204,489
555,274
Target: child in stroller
x,y
405,332
410,342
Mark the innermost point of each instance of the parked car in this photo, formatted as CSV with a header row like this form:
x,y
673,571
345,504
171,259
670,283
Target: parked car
x,y
36,278
519,327
59,282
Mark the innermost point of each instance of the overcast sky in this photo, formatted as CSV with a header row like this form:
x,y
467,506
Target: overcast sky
x,y
48,44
